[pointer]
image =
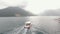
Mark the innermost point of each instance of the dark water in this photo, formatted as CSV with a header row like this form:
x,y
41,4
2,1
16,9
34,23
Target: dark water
x,y
11,24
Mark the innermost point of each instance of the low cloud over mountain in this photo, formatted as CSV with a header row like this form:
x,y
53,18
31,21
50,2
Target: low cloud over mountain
x,y
12,11
51,12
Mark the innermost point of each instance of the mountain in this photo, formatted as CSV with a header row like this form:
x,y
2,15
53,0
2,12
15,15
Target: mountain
x,y
12,11
51,13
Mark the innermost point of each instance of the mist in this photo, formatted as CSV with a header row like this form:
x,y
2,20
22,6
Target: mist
x,y
51,12
14,11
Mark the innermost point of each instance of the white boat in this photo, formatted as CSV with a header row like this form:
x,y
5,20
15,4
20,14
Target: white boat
x,y
27,25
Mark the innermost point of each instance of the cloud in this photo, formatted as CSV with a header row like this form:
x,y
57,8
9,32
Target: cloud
x,y
6,3
39,6
51,12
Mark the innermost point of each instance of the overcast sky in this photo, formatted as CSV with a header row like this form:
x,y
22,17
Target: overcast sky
x,y
34,6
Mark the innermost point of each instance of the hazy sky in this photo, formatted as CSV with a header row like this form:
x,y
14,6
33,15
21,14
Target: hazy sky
x,y
38,6
6,3
34,6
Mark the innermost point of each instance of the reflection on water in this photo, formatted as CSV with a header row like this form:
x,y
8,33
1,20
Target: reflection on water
x,y
40,25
